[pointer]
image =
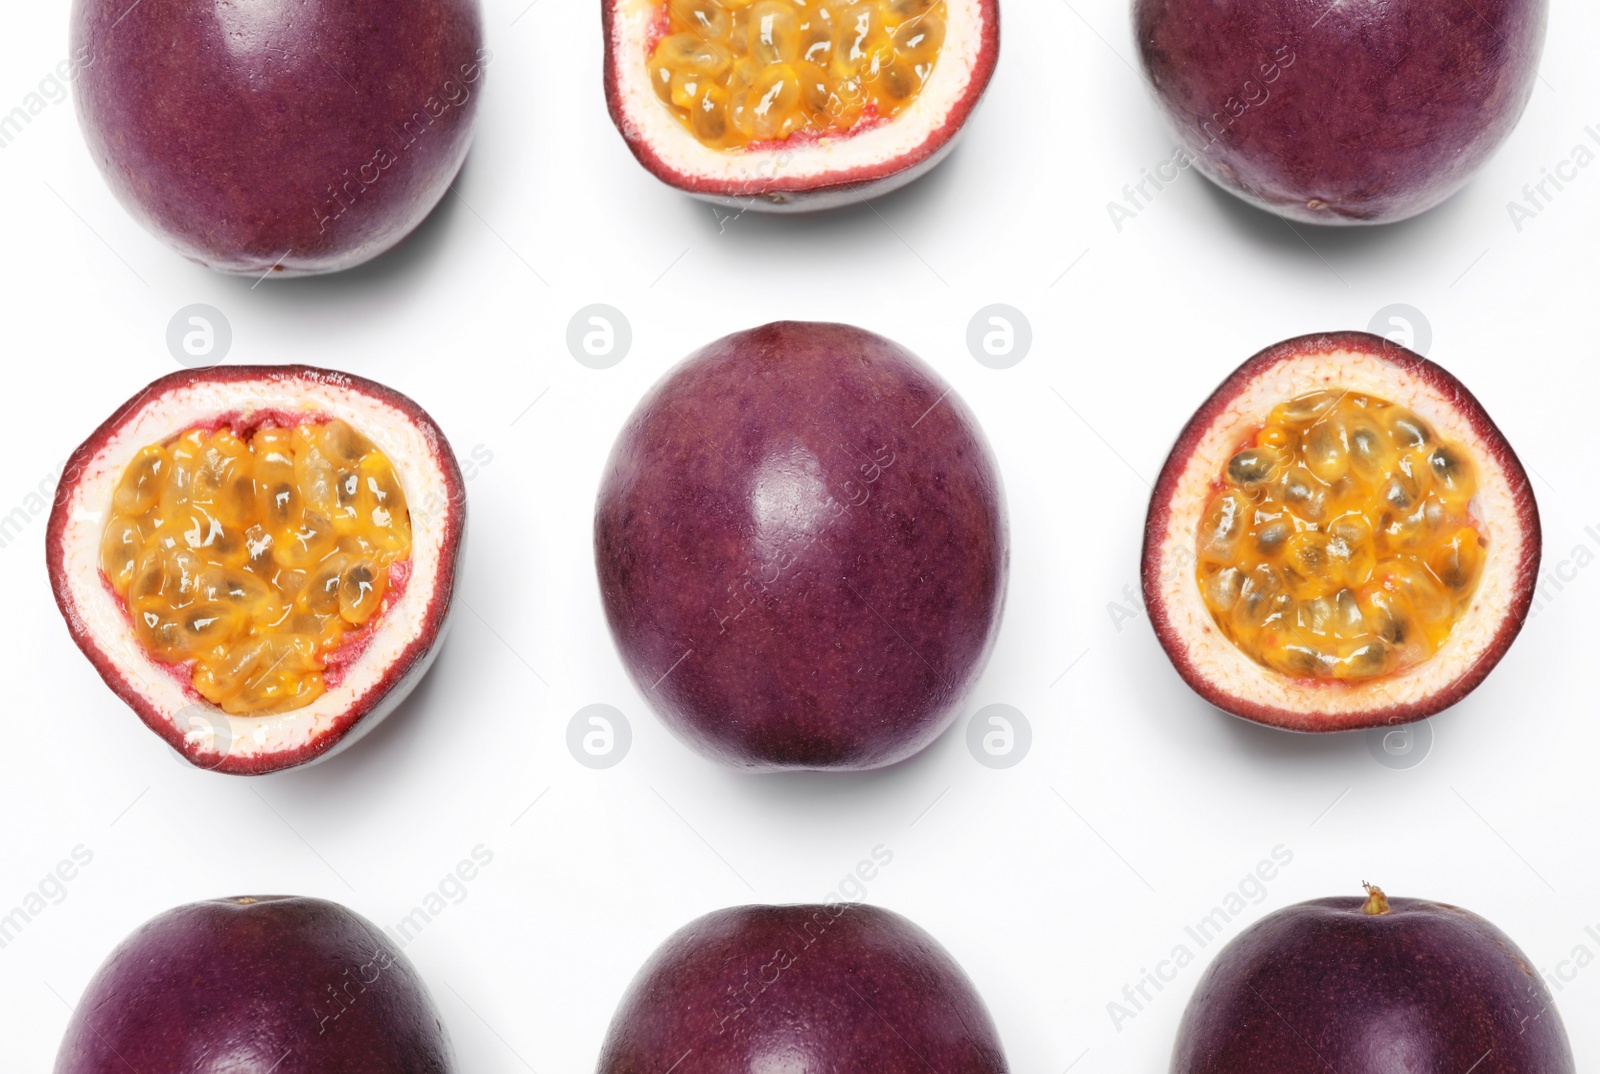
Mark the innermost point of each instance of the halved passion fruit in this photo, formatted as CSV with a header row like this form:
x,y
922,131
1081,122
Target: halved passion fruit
x,y
795,104
1341,538
259,560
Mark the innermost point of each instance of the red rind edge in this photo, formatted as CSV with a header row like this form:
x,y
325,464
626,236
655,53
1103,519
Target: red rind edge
x,y
1466,404
413,656
829,188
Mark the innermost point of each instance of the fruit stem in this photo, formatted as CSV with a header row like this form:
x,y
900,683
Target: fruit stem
x,y
1377,902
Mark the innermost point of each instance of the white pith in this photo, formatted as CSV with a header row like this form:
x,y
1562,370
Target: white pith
x,y
1494,509
647,118
94,609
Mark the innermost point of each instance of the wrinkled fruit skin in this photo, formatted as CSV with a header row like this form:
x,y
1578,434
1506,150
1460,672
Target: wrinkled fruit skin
x,y
310,136
1349,113
1426,987
844,988
286,984
801,548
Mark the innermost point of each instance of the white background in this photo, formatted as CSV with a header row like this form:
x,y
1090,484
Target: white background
x,y
1055,882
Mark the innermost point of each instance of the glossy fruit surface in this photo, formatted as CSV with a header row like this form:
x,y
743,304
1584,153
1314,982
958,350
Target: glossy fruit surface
x,y
1341,538
1363,112
809,109
230,642
1371,986
259,136
252,985
843,988
801,545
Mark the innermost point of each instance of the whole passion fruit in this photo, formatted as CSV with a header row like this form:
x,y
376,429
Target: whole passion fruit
x,y
845,988
1340,539
801,546
259,136
1371,986
268,983
785,105
259,560
1363,112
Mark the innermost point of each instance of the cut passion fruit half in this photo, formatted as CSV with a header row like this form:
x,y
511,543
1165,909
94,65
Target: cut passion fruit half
x,y
1341,538
259,560
795,104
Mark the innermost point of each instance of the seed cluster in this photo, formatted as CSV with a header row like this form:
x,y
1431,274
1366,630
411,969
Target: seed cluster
x,y
737,72
1340,543
253,560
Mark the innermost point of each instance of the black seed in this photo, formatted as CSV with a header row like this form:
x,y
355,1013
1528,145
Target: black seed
x,y
1272,537
1370,658
1446,466
1410,431
1250,467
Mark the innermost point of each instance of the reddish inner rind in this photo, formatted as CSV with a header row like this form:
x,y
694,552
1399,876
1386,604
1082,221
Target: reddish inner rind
x,y
126,686
246,423
1492,445
341,657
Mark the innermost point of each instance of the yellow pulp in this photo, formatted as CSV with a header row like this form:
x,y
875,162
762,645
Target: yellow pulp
x,y
737,72
1339,545
252,560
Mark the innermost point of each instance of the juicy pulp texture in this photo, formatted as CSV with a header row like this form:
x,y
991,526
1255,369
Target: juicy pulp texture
x,y
255,559
1503,510
1341,543
737,72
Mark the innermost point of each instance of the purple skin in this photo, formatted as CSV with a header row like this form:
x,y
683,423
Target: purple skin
x,y
801,546
1423,986
843,988
1360,112
279,983
285,137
